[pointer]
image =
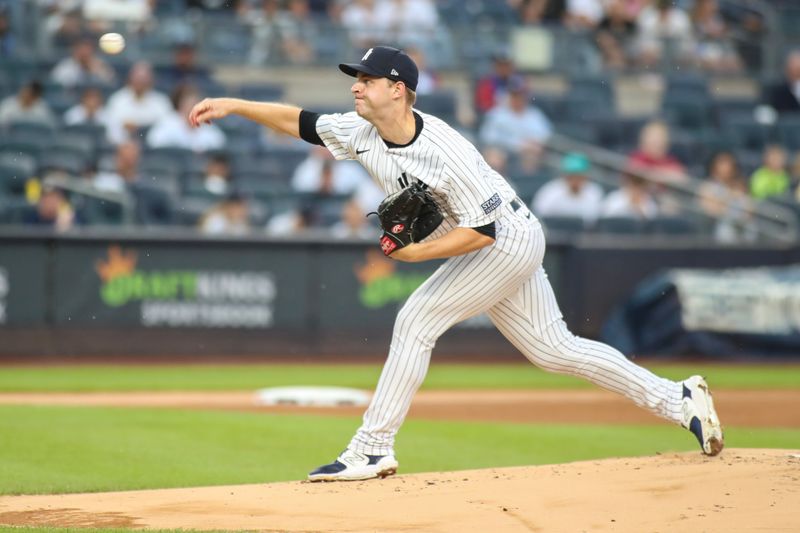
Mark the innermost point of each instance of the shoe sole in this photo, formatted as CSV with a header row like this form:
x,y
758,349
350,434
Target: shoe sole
x,y
333,477
715,445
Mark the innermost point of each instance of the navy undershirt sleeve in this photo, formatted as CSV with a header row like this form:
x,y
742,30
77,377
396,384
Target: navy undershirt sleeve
x,y
308,127
488,230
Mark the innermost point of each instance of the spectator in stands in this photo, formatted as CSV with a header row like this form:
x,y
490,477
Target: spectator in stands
x,y
262,17
126,168
135,106
294,221
135,13
714,51
217,179
771,179
83,66
26,106
784,96
518,127
496,158
174,130
360,19
653,155
151,205
616,32
492,89
63,24
535,12
8,41
428,81
354,223
583,14
724,198
231,216
52,210
408,22
184,69
90,110
298,33
571,194
632,199
664,31
320,174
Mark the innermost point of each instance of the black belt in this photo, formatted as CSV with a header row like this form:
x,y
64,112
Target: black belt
x,y
516,205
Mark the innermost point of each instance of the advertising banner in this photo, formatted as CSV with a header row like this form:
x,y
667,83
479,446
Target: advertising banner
x,y
23,284
180,285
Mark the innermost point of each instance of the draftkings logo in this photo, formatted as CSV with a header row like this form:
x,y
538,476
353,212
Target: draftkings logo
x,y
176,298
381,284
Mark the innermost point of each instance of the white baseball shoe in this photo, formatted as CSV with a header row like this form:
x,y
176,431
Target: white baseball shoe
x,y
699,415
353,466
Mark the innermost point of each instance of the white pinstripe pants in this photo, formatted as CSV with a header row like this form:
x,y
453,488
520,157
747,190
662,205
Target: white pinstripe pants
x,y
507,281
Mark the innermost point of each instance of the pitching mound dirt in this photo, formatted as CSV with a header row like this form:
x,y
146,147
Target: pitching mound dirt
x,y
741,490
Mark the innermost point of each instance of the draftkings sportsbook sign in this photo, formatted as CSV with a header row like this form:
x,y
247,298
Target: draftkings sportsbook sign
x,y
185,297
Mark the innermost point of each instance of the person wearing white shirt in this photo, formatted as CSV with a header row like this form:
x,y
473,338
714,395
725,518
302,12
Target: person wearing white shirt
x,y
320,173
631,200
410,22
136,105
570,195
82,67
90,110
174,130
516,126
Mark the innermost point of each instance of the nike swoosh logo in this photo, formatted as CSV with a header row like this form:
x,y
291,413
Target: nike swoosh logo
x,y
359,152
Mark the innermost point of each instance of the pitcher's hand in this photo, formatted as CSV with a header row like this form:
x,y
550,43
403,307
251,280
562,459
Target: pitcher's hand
x,y
210,109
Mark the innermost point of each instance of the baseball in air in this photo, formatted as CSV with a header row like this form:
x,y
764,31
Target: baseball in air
x,y
112,43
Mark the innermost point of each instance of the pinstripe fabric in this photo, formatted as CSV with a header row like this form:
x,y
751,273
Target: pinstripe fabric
x,y
506,280
522,306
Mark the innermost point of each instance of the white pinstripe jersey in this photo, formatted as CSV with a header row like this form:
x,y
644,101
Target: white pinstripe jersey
x,y
465,187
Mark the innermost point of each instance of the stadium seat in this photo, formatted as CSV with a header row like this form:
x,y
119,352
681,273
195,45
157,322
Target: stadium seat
x,y
788,129
593,87
747,133
563,225
12,179
95,211
689,85
76,142
580,131
619,226
261,92
672,226
688,113
66,160
441,104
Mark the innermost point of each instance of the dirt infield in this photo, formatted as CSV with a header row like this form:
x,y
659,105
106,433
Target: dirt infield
x,y
736,407
741,490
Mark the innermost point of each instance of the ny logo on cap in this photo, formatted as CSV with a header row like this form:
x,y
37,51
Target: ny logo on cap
x,y
366,55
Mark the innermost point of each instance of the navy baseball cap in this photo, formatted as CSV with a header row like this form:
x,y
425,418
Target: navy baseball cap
x,y
385,62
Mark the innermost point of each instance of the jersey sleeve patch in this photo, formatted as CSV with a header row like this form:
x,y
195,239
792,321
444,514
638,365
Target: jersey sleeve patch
x,y
492,203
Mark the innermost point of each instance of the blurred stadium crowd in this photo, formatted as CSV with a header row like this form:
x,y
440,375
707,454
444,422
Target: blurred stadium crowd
x,y
90,139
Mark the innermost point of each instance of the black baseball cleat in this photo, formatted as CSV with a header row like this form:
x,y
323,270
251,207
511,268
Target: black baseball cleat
x,y
699,415
353,466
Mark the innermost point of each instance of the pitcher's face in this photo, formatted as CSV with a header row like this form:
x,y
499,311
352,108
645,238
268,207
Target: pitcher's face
x,y
371,94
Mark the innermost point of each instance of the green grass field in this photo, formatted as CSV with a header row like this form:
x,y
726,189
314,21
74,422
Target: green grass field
x,y
441,376
84,449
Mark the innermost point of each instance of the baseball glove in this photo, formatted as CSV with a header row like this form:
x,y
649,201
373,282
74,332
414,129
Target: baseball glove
x,y
407,216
